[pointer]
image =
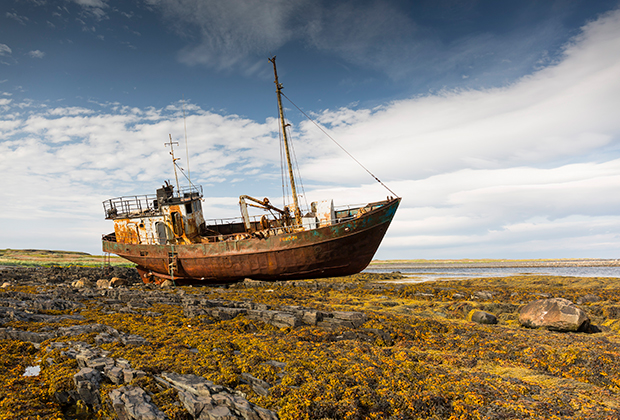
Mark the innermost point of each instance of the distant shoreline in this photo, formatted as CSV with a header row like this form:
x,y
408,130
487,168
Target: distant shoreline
x,y
41,257
473,263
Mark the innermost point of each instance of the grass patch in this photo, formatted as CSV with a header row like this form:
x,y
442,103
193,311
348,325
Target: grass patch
x,y
47,258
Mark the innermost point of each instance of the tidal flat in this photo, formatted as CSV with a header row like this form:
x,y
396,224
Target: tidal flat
x,y
364,346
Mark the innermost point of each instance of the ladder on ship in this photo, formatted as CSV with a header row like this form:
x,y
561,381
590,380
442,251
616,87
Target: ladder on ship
x,y
173,257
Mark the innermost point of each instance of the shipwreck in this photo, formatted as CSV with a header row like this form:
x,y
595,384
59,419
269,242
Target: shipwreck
x,y
168,237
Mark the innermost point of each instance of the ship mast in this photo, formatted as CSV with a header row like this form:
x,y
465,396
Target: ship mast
x,y
286,148
174,161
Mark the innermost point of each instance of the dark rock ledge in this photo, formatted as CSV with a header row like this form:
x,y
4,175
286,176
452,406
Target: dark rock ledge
x,y
201,398
282,317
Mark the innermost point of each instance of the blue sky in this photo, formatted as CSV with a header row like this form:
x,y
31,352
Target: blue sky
x,y
495,121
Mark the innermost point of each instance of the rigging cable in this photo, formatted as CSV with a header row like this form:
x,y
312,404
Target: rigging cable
x,y
338,144
186,146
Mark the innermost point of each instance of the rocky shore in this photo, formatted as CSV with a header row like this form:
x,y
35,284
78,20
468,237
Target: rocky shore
x,y
104,345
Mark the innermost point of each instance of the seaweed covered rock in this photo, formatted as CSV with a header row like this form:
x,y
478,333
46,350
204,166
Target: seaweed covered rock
x,y
87,384
81,283
133,403
103,284
481,317
554,314
205,400
117,282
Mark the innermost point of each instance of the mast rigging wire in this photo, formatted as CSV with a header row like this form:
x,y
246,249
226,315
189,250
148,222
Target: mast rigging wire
x,y
296,171
186,146
338,144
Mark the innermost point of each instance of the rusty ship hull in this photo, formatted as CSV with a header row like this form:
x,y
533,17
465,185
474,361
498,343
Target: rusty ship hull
x,y
343,248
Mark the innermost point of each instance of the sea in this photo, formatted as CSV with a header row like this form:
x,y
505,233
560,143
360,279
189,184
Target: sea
x,y
415,274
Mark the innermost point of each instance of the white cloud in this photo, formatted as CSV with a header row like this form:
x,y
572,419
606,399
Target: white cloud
x,y
565,111
91,3
94,8
66,155
231,32
36,54
20,19
380,35
5,50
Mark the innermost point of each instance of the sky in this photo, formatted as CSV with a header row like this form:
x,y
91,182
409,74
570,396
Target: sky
x,y
498,123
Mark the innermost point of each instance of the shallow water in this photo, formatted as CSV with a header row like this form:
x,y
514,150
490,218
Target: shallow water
x,y
455,273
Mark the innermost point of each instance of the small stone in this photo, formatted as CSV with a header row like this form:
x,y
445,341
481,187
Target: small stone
x,y
194,404
356,318
82,283
87,385
481,317
130,374
117,281
311,317
103,284
220,412
483,295
284,320
100,363
588,299
265,414
258,385
115,374
191,383
134,403
133,340
105,338
122,363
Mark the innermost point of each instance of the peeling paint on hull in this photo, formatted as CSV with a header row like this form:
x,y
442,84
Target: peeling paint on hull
x,y
337,250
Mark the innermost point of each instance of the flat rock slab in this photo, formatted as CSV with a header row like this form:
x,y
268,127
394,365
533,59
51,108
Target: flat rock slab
x,y
205,400
554,314
133,403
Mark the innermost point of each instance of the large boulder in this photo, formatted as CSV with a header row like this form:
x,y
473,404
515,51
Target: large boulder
x,y
554,314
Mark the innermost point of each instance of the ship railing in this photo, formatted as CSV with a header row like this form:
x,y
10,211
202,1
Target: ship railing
x,y
275,230
344,214
233,220
130,205
189,191
226,220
